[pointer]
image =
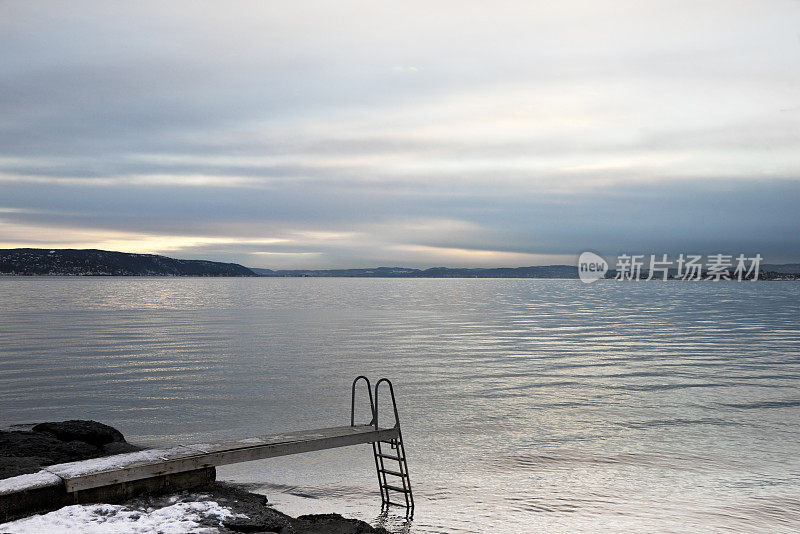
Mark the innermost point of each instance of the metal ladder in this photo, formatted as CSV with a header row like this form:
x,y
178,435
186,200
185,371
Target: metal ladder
x,y
401,483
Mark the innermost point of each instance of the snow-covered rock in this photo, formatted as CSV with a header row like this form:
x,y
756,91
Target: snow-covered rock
x,y
174,515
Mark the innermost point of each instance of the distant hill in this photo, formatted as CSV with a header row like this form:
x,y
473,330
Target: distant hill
x,y
549,271
786,268
546,271
90,262
34,261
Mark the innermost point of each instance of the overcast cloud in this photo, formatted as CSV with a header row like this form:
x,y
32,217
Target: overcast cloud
x,y
343,134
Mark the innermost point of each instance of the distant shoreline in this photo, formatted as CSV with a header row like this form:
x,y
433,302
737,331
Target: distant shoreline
x,y
22,262
763,277
92,262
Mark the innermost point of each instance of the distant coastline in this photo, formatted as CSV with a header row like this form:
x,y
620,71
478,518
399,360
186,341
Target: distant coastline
x,y
92,262
538,271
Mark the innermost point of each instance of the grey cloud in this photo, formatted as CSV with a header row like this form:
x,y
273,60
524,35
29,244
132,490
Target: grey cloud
x,y
679,217
100,91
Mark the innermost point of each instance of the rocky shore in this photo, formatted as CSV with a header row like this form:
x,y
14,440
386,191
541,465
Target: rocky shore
x,y
218,507
28,448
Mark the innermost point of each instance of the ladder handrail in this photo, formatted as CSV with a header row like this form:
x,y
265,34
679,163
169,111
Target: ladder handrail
x,y
394,402
372,408
396,444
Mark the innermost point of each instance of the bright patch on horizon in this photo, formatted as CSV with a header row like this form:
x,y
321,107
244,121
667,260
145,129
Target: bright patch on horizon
x,y
22,236
262,253
485,258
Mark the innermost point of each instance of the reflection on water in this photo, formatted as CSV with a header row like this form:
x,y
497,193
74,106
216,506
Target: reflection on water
x,y
527,405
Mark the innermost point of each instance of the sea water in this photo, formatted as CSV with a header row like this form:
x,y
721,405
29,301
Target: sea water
x,y
526,405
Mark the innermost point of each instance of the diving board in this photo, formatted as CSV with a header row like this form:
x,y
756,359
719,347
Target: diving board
x,y
121,476
88,474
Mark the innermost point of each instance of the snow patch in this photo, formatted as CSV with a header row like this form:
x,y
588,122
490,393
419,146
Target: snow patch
x,y
179,515
26,482
118,461
251,440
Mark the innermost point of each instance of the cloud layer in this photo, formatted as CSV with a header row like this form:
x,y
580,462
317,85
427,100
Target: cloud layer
x,y
319,134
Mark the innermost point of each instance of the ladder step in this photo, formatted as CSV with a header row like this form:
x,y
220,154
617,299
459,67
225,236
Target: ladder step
x,y
389,457
396,504
390,472
395,488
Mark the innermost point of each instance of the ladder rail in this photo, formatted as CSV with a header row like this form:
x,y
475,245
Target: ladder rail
x,y
396,444
353,402
379,468
394,402
375,451
401,450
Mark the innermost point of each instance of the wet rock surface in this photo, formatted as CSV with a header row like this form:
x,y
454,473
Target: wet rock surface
x,y
262,518
26,450
334,524
90,432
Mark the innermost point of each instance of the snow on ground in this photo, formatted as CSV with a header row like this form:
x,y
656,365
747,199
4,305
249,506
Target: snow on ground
x,y
186,513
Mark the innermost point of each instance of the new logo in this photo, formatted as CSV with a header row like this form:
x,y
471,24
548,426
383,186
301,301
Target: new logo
x,y
591,267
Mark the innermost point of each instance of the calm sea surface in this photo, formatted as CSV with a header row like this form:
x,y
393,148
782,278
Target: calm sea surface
x,y
526,405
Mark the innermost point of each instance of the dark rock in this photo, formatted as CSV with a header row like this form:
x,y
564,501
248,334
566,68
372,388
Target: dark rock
x,y
257,524
92,432
45,446
262,518
11,466
118,447
333,524
27,451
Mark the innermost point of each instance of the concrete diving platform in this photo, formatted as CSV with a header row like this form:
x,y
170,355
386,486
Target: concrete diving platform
x,y
88,474
122,476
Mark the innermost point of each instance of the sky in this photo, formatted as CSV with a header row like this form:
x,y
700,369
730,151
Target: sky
x,y
356,134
